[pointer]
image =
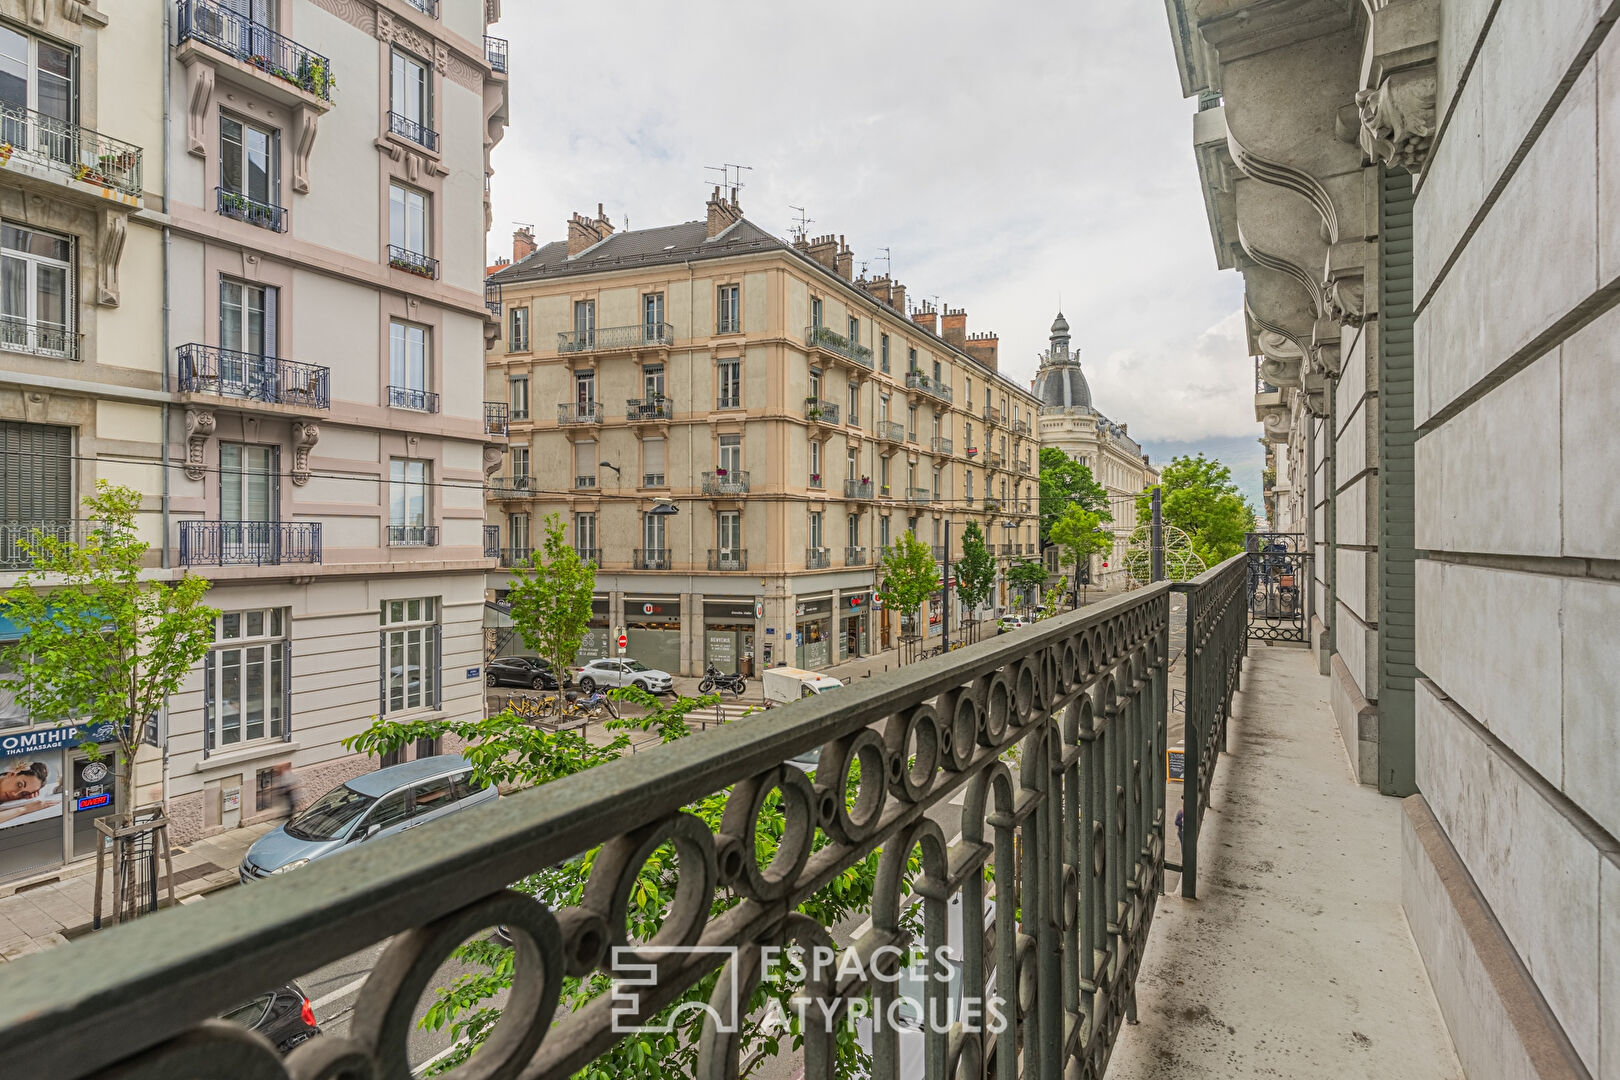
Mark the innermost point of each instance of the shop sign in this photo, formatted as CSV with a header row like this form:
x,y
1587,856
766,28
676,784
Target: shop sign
x,y
54,738
730,609
654,607
92,785
1175,764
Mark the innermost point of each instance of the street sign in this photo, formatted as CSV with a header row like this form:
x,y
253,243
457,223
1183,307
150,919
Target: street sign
x,y
623,641
759,609
472,672
1175,764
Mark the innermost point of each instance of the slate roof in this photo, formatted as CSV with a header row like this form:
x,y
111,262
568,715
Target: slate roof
x,y
642,247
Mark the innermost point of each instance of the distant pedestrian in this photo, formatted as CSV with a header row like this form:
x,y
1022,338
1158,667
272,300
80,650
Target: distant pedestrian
x,y
286,788
1181,841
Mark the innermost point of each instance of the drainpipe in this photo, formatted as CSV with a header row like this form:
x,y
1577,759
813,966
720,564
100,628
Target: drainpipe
x,y
163,441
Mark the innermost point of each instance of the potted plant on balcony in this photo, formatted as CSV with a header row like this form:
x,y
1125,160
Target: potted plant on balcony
x,y
815,478
812,408
719,472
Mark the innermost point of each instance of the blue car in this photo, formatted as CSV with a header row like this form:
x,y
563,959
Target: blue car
x,y
377,804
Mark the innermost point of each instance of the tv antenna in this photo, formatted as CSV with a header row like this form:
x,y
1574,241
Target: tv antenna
x,y
888,262
730,174
801,224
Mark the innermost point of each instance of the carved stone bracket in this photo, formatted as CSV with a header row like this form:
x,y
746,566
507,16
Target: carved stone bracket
x,y
1399,83
1326,357
199,429
1343,293
304,437
1281,361
494,454
199,92
109,250
1277,420
1317,389
303,142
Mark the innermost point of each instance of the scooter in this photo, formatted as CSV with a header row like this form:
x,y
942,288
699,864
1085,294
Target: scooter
x,y
715,679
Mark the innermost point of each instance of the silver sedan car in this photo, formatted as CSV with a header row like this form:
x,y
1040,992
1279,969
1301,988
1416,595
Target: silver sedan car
x,y
623,671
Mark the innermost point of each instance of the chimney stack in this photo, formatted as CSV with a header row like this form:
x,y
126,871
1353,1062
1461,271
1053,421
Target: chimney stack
x,y
824,249
523,244
583,232
926,316
897,297
984,347
953,328
844,261
724,212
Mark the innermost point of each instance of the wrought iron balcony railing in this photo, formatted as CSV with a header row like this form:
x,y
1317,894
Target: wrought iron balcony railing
x,y
921,380
733,559
16,537
918,495
994,458
823,337
497,417
413,536
515,556
495,53
728,401
406,397
818,411
1020,427
650,559
413,262
589,554
39,339
63,147
890,431
857,489
941,445
993,415
233,204
253,43
249,543
492,541
854,556
430,8
817,558
649,409
616,338
492,304
992,504
584,481
203,369
579,412
1023,467
414,130
513,487
727,482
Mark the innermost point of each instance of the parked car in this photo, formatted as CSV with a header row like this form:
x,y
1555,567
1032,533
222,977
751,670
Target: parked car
x,y
284,1016
377,804
623,671
529,671
1011,622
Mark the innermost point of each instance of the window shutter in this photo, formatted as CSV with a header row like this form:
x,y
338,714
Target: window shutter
x,y
286,687
438,663
208,704
270,322
224,293
382,673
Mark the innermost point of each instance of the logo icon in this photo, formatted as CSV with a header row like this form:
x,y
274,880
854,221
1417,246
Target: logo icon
x,y
632,973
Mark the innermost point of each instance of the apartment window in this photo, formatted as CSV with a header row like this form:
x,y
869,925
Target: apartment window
x,y
38,75
883,352
911,359
520,397
408,502
854,331
728,533
585,535
815,528
36,480
408,374
729,310
517,331
815,463
968,490
911,477
36,292
517,532
652,315
1004,448
585,322
410,654
248,678
936,426
815,384
883,408
730,376
936,485
911,423
967,433
584,391
883,531
520,460
815,312
249,175
854,530
411,104
585,464
967,391
247,483
407,220
731,453
854,416
247,325
851,465
652,462
938,374
883,474
652,534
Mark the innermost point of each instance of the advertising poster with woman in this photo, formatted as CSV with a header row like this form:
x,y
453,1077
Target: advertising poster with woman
x,y
30,788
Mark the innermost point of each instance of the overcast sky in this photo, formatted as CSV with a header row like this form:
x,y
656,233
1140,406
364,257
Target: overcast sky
x,y
1006,154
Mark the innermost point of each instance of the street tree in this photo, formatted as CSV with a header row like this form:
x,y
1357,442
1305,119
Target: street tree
x,y
1064,483
976,570
551,599
1199,498
1027,576
1078,534
909,575
101,646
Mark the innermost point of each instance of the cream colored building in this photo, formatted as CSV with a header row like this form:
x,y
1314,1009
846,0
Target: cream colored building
x,y
302,423
735,428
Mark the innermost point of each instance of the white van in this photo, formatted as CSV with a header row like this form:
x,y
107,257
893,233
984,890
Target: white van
x,y
785,685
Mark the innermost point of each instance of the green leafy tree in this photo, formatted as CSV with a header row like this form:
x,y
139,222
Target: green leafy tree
x,y
1027,576
551,599
1079,535
100,646
1064,483
910,575
976,570
1200,499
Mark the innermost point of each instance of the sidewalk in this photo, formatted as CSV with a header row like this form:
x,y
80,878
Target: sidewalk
x,y
1295,960
59,907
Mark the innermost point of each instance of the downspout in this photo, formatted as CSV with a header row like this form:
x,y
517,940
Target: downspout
x,y
163,439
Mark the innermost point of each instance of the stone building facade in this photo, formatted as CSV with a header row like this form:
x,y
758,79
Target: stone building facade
x,y
1416,194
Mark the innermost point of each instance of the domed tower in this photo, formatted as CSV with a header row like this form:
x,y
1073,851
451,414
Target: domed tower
x,y
1060,383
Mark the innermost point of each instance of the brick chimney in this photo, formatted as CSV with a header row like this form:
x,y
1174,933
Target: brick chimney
x,y
953,327
881,289
844,261
983,347
926,316
897,297
584,232
523,244
724,212
824,249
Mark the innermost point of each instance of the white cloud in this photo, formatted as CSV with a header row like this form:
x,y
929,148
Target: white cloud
x,y
1211,395
1005,159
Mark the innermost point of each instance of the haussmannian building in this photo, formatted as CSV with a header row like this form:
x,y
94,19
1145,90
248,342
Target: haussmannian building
x,y
734,428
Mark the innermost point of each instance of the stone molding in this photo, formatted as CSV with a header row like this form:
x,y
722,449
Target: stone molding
x,y
200,425
494,454
1400,83
304,437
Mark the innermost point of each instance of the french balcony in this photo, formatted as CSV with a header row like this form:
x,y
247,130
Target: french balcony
x,y
995,459
939,553
226,373
919,495
589,554
497,417
413,130
831,341
726,482
728,401
520,486
493,305
818,411
39,339
430,8
857,489
649,410
607,339
492,541
890,432
413,262
927,384
495,53
854,556
732,559
885,491
992,504
817,558
249,543
515,556
650,559
585,483
941,446
654,480
17,537
67,156
815,480
276,61
234,204
992,415
413,536
1020,427
406,397
579,412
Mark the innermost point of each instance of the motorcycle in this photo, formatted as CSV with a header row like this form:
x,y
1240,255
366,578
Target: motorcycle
x,y
715,679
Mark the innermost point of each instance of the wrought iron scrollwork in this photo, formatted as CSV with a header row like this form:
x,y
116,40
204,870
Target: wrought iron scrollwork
x,y
1278,578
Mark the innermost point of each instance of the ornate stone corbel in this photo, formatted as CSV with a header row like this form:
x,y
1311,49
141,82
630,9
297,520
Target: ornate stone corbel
x,y
1317,389
1398,119
304,437
199,93
494,454
199,429
1325,353
109,250
1281,360
1277,421
303,142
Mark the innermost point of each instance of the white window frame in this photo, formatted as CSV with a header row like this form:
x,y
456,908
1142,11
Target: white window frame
x,y
237,649
24,331
410,627
410,219
728,309
410,356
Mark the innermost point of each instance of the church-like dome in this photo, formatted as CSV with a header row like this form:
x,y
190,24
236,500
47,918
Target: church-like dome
x,y
1062,386
1060,325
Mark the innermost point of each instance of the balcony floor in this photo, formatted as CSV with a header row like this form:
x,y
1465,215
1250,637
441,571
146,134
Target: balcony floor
x,y
1296,959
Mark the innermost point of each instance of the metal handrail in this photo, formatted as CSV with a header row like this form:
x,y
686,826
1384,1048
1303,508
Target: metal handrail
x,y
854,556
891,431
733,482
817,558
657,408
492,541
615,338
234,204
721,559
429,8
825,337
495,54
941,445
497,418
406,397
62,146
16,536
249,543
255,44
918,495
414,130
39,339
820,411
650,559
412,262
205,369
513,487
579,412
857,489
919,380
492,304
413,535
518,556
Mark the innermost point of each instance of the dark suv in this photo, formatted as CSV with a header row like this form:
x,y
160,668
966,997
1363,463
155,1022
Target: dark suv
x,y
526,671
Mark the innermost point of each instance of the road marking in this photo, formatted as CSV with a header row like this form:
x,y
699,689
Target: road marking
x,y
341,992
436,1058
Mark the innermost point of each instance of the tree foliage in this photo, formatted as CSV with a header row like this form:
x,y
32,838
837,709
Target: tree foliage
x,y
909,574
1078,534
1027,575
1064,483
551,598
1200,499
100,646
976,570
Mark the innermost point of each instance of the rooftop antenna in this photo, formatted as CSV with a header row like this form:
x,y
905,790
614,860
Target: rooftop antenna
x,y
525,224
730,174
888,263
801,224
